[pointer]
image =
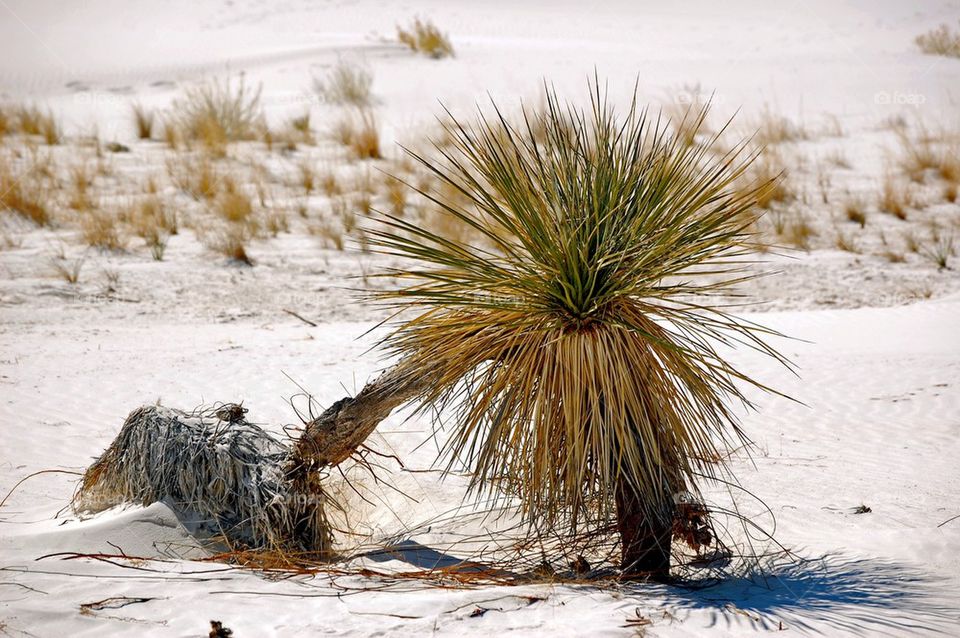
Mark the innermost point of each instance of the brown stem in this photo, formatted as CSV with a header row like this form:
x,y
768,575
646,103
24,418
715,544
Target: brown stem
x,y
334,435
644,536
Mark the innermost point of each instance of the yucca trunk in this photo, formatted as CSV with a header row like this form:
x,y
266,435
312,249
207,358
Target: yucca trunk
x,y
644,536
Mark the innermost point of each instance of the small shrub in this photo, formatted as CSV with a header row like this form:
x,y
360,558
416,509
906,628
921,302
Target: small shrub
x,y
424,37
143,119
940,41
346,83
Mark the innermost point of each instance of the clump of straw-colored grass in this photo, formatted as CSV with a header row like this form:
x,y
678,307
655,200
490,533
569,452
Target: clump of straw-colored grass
x,y
424,37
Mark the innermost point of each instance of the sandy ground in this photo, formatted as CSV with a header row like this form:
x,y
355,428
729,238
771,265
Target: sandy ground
x,y
876,343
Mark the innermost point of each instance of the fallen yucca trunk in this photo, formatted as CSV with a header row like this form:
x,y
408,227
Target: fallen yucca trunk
x,y
235,480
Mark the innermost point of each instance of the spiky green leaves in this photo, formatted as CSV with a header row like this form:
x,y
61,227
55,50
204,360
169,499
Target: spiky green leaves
x,y
574,340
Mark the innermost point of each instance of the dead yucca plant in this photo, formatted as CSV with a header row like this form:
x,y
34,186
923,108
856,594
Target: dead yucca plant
x,y
575,346
346,83
424,37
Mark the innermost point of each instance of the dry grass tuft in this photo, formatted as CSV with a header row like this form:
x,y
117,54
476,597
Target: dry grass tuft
x,y
424,37
68,270
940,41
100,229
346,83
33,121
770,169
950,192
24,197
939,250
776,129
231,243
845,242
395,192
307,176
359,132
197,176
896,197
856,211
216,113
799,232
143,120
81,181
837,159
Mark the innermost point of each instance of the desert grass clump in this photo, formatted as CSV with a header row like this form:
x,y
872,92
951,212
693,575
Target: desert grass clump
x,y
939,250
772,129
845,242
31,120
896,197
215,113
769,169
950,192
231,242
574,345
100,229
68,269
855,211
143,121
360,134
940,41
81,182
23,196
198,177
424,37
798,232
347,83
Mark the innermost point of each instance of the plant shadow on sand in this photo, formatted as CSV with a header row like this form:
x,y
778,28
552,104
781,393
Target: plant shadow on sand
x,y
831,593
819,596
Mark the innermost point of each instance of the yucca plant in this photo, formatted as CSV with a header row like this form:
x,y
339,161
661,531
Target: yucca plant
x,y
577,341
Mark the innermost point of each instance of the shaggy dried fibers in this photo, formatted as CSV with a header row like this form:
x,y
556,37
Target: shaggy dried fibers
x,y
214,467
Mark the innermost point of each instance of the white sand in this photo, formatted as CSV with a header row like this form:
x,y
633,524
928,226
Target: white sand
x,y
880,379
